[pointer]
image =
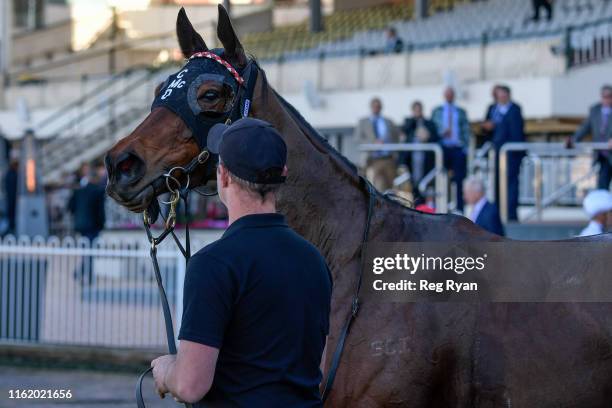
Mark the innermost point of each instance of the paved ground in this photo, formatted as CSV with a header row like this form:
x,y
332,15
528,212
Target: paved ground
x,y
89,389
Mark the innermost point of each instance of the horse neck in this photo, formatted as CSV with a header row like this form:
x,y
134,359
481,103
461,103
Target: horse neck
x,y
323,199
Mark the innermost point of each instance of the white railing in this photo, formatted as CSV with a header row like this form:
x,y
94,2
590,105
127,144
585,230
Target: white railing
x,y
536,153
68,292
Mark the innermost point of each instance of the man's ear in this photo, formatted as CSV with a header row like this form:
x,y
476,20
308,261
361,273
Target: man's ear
x,y
231,44
224,178
189,40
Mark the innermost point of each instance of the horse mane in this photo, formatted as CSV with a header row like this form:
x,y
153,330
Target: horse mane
x,y
321,143
312,133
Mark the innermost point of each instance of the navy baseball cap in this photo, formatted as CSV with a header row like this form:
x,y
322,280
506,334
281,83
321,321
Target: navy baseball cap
x,y
251,149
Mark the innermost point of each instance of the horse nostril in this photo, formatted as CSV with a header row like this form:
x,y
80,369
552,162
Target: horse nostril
x,y
129,168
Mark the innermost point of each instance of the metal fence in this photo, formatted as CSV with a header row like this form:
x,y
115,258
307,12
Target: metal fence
x,y
555,179
70,292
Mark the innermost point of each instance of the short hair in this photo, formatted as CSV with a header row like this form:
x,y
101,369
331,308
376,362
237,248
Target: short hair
x,y
375,99
504,88
255,189
392,30
417,103
606,88
475,183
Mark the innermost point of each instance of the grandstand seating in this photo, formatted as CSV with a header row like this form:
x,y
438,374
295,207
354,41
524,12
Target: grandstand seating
x,y
452,23
338,26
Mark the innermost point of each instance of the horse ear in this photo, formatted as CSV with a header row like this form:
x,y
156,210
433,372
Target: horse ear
x,y
231,44
189,40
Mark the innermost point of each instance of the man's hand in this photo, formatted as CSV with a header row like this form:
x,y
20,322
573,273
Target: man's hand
x,y
610,144
488,126
161,366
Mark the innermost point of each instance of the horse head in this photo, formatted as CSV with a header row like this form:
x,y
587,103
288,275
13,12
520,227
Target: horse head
x,y
213,86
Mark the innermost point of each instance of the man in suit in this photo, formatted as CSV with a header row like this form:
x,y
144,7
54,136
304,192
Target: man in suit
x,y
418,129
483,213
487,134
454,132
599,125
380,166
505,123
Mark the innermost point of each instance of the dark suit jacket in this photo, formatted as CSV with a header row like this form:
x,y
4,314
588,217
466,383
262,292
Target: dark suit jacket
x,y
87,205
488,115
510,129
592,126
409,129
490,220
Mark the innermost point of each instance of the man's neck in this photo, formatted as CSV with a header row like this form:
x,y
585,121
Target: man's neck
x,y
239,210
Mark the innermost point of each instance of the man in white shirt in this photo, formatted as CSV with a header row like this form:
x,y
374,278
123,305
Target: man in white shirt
x,y
381,167
454,130
598,205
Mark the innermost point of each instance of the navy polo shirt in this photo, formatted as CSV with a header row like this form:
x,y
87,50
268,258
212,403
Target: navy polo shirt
x,y
261,295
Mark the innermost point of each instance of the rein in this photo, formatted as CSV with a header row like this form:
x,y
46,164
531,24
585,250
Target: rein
x,y
331,376
178,192
155,241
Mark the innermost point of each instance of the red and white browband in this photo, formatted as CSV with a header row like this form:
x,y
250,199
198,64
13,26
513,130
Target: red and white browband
x,y
215,57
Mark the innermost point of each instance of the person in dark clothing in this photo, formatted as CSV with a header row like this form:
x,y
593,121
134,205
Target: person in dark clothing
x,y
394,43
418,129
539,4
483,213
486,132
506,124
257,301
87,207
10,187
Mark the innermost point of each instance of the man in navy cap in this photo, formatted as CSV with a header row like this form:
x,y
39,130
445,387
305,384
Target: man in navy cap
x,y
257,301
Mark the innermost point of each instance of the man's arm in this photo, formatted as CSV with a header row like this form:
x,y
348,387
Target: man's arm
x,y
394,131
466,130
437,121
209,293
189,375
358,135
584,129
517,125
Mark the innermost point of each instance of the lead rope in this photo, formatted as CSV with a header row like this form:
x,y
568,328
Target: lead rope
x,y
331,376
170,223
237,111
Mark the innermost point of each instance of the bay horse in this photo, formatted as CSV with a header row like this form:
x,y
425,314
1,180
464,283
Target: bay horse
x,y
396,355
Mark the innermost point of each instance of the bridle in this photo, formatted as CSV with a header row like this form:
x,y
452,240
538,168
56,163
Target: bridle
x,y
239,108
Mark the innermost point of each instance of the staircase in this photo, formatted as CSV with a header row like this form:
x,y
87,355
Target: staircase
x,y
84,129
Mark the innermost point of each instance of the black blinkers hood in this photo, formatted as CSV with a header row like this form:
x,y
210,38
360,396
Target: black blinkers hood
x,y
179,93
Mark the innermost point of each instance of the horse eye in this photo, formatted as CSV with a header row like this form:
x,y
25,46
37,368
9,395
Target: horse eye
x,y
210,95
